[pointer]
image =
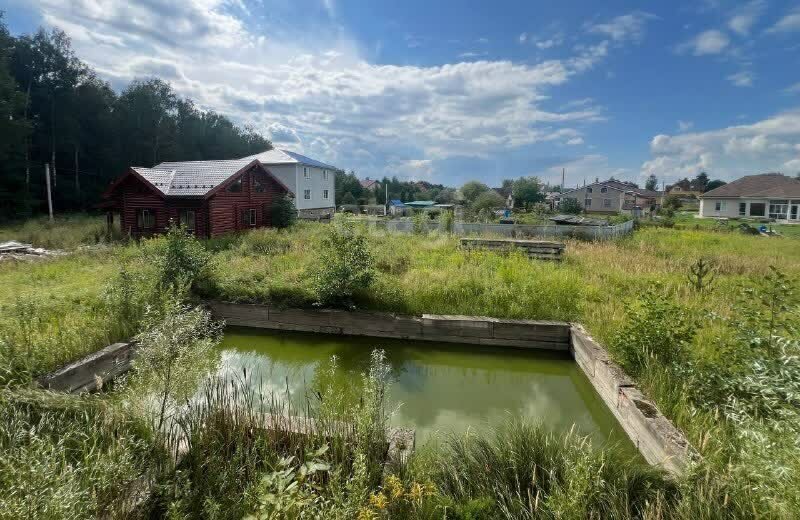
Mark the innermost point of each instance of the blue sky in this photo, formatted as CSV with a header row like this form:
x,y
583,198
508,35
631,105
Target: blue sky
x,y
458,90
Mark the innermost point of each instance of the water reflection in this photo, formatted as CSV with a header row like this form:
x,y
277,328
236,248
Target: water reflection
x,y
438,387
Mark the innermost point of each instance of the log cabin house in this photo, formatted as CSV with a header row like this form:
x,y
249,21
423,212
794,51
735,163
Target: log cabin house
x,y
209,198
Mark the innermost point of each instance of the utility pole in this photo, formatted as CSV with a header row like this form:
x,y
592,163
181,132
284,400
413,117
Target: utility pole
x,y
49,195
563,176
386,199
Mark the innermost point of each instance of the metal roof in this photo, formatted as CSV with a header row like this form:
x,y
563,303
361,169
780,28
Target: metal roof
x,y
190,178
276,156
421,203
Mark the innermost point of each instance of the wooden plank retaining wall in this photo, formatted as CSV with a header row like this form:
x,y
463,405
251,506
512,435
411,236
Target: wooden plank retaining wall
x,y
538,249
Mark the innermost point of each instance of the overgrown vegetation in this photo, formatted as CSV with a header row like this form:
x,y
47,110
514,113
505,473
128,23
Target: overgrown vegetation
x,y
719,357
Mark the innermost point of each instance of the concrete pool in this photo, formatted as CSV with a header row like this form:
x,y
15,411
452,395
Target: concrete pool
x,y
436,387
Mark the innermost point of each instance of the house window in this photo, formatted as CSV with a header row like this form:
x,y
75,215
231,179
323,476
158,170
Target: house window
x,y
258,185
778,209
187,218
587,203
603,190
324,194
305,173
307,194
236,186
588,190
325,176
145,219
606,202
757,209
742,209
249,217
719,205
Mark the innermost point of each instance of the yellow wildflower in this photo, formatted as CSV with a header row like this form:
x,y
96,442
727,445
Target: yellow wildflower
x,y
378,501
394,486
416,491
366,513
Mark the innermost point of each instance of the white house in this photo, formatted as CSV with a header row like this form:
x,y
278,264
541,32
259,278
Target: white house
x,y
312,182
769,195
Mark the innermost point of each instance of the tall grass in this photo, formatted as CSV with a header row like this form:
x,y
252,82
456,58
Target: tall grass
x,y
70,457
65,232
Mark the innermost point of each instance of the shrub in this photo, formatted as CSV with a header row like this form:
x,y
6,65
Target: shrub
x,y
344,265
175,348
283,212
447,220
570,206
656,329
178,256
419,222
488,201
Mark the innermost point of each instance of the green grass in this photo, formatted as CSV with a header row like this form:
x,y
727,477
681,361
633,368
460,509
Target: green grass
x,y
65,232
58,309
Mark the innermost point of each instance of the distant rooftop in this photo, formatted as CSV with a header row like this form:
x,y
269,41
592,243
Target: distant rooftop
x,y
190,178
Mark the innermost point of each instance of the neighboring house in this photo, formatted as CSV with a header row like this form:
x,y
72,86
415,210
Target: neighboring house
x,y
685,188
396,207
311,181
553,199
769,195
614,197
208,197
369,184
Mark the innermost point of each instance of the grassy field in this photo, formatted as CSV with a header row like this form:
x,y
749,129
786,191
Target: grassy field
x,y
630,293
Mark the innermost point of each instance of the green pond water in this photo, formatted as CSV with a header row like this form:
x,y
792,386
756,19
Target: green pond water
x,y
436,387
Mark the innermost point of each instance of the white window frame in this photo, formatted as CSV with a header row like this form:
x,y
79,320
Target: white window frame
x,y
325,176
719,205
606,203
587,203
778,209
306,194
306,175
742,209
603,190
588,190
251,216
324,194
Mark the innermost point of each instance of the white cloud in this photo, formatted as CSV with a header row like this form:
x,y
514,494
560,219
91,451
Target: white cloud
x,y
630,26
549,43
684,125
472,54
743,18
586,168
793,89
789,23
707,42
575,141
742,78
728,153
321,95
523,37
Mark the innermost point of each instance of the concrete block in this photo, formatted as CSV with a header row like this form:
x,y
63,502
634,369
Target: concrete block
x,y
525,344
240,314
461,326
311,317
534,330
91,372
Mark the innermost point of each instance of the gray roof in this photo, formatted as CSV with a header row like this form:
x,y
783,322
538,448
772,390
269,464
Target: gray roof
x,y
190,178
766,185
276,156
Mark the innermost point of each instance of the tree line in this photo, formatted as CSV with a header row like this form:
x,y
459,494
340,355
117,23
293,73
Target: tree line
x,y
55,109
